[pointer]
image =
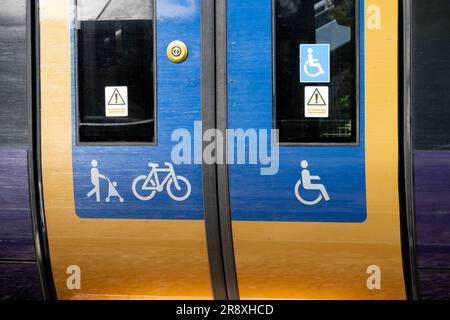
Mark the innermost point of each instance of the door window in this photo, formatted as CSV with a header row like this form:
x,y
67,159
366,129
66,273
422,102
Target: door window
x,y
316,71
115,71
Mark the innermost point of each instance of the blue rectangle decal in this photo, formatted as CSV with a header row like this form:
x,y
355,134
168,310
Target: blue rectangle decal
x,y
315,63
141,182
325,183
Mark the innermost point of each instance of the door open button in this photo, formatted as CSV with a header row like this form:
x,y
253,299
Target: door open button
x,y
177,51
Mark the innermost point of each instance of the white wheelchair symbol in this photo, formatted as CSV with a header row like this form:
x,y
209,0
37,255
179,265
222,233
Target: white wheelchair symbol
x,y
145,187
306,181
314,64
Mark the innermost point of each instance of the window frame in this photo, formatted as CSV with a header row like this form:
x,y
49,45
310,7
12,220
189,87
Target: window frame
x,y
358,52
154,143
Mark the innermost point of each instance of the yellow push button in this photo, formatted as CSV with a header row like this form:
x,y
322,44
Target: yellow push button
x,y
177,51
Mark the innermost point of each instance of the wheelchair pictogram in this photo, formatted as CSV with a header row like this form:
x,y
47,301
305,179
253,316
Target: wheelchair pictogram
x,y
307,183
314,63
177,187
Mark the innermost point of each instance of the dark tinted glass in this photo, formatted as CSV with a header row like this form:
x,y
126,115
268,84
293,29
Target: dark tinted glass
x,y
300,22
430,74
115,51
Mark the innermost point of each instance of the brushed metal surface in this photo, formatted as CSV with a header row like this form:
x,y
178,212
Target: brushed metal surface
x,y
16,236
13,74
19,281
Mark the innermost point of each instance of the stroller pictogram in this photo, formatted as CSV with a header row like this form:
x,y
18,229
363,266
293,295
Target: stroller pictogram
x,y
112,191
96,178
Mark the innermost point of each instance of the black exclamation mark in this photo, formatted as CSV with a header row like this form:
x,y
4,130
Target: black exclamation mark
x,y
317,98
116,98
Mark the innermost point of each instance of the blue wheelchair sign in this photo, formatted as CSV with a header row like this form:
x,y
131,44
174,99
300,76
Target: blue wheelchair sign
x,y
314,63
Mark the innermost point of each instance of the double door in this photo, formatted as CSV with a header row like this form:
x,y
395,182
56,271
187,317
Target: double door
x,y
259,161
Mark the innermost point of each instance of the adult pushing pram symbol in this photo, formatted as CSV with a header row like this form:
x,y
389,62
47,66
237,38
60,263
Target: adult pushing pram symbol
x,y
96,178
314,63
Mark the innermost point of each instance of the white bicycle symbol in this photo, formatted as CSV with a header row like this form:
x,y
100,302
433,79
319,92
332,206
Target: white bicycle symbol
x,y
308,184
145,187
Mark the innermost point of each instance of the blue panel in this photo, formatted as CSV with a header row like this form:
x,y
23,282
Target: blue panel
x,y
20,281
178,106
16,233
272,198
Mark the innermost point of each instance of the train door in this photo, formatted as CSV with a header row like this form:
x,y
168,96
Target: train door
x,y
123,219
314,197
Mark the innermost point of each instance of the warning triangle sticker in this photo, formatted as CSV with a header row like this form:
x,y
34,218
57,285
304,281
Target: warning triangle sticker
x,y
116,99
316,99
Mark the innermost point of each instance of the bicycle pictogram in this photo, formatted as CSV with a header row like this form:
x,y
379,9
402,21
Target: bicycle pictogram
x,y
146,187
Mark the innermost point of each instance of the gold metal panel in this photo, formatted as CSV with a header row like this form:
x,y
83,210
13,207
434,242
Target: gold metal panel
x,y
330,260
119,259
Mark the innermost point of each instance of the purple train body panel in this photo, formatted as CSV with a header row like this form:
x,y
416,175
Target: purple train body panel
x,y
432,179
435,285
16,234
20,281
19,274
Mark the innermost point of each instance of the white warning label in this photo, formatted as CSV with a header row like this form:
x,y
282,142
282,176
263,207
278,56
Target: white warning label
x,y
316,102
116,101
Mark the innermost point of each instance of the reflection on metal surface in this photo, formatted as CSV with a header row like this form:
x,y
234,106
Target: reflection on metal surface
x,y
179,9
334,34
134,9
114,9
